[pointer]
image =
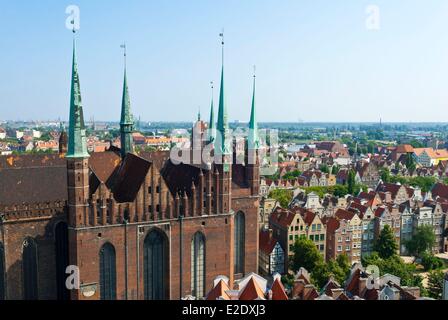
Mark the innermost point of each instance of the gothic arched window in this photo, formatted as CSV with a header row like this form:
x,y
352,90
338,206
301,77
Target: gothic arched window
x,y
198,265
61,247
29,270
156,266
2,273
240,242
108,275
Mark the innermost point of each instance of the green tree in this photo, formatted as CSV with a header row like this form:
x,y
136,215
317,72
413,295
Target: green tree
x,y
283,196
351,182
431,262
335,169
320,274
292,175
424,183
421,242
324,168
416,144
396,266
344,262
435,284
288,280
337,271
385,245
340,191
305,255
385,175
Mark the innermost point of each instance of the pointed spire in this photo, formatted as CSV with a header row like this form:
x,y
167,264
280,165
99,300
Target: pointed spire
x,y
211,123
222,146
126,123
77,144
253,139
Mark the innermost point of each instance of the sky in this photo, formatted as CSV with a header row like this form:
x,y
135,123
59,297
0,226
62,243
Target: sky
x,y
316,60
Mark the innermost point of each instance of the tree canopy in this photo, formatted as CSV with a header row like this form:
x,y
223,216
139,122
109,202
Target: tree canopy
x,y
306,255
385,245
421,242
283,196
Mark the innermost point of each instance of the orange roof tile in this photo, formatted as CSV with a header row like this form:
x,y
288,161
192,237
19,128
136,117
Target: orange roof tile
x,y
219,291
251,291
278,290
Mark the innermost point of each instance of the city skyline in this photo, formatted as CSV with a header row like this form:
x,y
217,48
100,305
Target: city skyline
x,y
310,58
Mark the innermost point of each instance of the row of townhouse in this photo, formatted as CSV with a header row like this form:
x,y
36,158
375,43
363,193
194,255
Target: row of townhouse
x,y
351,231
352,226
288,226
310,178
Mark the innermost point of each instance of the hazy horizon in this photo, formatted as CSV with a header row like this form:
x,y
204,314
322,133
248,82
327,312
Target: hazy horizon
x,y
317,62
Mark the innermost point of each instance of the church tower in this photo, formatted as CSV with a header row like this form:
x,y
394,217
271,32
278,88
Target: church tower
x,y
63,140
77,155
211,124
223,150
253,145
126,123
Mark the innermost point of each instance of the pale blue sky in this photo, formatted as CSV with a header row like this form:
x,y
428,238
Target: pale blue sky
x,y
316,60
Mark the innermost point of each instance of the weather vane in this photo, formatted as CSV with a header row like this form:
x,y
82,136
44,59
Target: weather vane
x,y
222,36
73,24
222,43
123,46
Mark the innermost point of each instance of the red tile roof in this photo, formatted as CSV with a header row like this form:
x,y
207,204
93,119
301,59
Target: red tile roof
x,y
251,291
219,291
267,241
278,290
344,214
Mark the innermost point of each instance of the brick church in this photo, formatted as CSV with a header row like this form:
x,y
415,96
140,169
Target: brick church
x,y
137,225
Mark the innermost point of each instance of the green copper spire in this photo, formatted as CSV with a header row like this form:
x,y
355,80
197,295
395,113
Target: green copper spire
x,y
222,144
77,144
126,123
253,140
211,124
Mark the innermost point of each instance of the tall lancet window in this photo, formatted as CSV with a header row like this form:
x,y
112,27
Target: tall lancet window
x,y
240,242
108,276
156,266
2,273
29,270
198,265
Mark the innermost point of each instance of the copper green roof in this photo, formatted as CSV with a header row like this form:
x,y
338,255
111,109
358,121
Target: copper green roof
x,y
126,116
127,122
77,144
253,139
222,145
211,124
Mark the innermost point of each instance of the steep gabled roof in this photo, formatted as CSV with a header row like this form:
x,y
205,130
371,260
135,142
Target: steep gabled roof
x,y
219,291
278,290
129,178
252,291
